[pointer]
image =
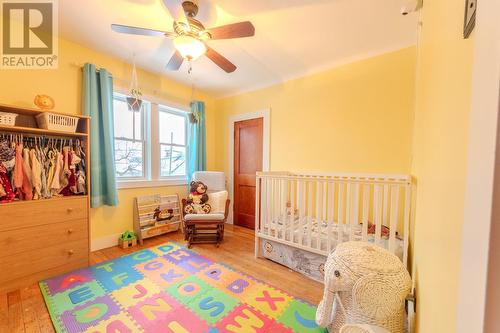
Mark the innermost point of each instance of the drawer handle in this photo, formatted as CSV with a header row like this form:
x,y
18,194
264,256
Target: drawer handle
x,y
71,252
70,231
69,210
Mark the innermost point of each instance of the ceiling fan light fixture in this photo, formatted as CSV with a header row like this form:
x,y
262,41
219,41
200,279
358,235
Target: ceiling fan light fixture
x,y
189,47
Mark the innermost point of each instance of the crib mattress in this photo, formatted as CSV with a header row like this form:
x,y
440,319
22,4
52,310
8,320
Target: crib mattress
x,y
321,232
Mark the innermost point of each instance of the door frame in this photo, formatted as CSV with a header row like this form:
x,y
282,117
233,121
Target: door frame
x,y
482,150
266,140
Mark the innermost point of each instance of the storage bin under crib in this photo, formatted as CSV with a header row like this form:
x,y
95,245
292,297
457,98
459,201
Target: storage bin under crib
x,y
301,218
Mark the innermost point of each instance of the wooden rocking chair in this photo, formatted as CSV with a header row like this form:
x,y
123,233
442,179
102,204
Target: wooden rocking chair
x,y
207,228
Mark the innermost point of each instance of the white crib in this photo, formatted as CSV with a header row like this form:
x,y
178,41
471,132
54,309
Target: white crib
x,y
315,212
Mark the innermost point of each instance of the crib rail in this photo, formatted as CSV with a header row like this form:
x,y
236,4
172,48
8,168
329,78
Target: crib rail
x,y
315,212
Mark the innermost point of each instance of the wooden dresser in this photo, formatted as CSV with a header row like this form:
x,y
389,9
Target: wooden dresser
x,y
46,237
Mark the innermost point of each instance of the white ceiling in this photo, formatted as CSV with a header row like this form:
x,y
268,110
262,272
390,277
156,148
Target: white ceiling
x,y
293,37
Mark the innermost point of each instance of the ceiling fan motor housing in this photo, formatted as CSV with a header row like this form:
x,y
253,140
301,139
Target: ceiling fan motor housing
x,y
190,8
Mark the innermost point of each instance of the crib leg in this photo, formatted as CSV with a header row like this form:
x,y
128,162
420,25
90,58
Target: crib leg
x,y
257,247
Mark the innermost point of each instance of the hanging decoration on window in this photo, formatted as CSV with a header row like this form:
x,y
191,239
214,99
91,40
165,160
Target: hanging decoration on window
x,y
194,117
134,100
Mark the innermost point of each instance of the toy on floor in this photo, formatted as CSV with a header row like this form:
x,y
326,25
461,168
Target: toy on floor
x,y
127,239
364,284
197,199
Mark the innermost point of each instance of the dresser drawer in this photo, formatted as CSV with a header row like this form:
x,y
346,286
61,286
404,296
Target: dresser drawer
x,y
30,262
37,237
33,213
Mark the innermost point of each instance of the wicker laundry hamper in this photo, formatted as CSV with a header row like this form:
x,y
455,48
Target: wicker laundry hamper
x,y
362,329
364,284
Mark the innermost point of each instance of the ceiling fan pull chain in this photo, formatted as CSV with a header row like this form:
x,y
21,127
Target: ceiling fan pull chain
x,y
190,72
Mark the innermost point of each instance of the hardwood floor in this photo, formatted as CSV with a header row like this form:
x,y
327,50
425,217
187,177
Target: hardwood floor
x,y
24,310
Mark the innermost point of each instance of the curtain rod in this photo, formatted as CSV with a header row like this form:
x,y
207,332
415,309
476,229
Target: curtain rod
x,y
74,64
154,91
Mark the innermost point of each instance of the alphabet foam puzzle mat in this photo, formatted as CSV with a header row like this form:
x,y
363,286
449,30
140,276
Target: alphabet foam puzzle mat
x,y
171,289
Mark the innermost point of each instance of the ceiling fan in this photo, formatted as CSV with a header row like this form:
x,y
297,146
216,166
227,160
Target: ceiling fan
x,y
190,36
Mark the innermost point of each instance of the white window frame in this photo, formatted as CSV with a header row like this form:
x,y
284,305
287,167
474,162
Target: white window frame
x,y
175,111
146,140
151,128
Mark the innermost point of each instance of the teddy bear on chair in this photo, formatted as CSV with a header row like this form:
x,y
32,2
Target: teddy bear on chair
x,y
197,199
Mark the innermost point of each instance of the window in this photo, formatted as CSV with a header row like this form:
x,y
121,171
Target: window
x,y
146,154
129,139
172,142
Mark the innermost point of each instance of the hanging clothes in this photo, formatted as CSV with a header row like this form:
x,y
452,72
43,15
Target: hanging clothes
x,y
69,173
56,185
6,186
7,161
33,168
36,174
21,179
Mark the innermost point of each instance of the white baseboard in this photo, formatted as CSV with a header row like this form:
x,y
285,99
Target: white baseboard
x,y
104,242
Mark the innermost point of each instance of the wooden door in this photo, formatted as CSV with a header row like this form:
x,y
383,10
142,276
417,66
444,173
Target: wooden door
x,y
248,141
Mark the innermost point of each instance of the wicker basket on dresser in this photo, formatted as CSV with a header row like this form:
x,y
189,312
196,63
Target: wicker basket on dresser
x,y
47,237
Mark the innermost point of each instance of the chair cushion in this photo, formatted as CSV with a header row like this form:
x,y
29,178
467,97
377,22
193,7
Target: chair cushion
x,y
204,217
215,180
217,202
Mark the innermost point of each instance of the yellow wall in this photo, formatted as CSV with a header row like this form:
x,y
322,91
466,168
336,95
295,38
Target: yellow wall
x,y
440,150
354,118
18,87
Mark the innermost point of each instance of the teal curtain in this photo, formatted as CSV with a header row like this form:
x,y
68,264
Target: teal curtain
x,y
97,102
197,157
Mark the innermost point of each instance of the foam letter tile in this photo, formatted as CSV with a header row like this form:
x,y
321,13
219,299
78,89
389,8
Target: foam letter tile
x,y
213,305
153,309
187,260
279,328
164,249
180,321
119,277
218,275
300,317
162,272
137,257
188,290
80,294
119,323
68,281
244,319
89,314
135,292
267,300
240,287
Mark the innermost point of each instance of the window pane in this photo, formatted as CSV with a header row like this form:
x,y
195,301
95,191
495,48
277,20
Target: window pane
x,y
128,158
123,120
172,128
172,161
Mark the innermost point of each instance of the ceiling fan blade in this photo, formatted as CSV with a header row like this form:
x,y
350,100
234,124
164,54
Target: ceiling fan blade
x,y
175,61
220,60
176,10
235,30
126,29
